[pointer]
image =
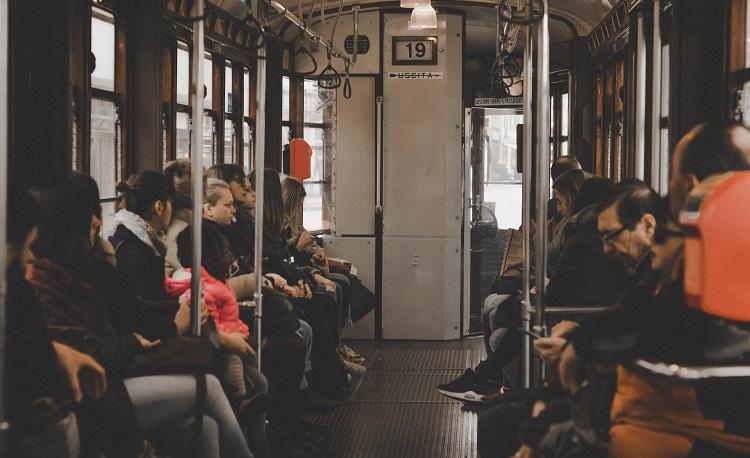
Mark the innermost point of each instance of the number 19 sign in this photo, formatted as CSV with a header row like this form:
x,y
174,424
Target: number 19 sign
x,y
415,51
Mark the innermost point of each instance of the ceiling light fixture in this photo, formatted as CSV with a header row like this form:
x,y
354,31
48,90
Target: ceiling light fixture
x,y
415,3
423,17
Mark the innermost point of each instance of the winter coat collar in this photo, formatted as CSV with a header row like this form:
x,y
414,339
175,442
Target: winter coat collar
x,y
142,230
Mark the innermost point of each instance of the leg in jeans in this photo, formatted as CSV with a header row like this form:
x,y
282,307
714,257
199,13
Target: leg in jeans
x,y
344,285
488,317
508,348
163,400
283,365
306,333
256,426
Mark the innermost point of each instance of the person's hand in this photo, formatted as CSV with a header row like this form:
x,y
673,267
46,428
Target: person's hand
x,y
329,285
235,343
145,343
71,362
304,241
563,328
524,452
568,369
549,348
294,291
278,281
182,318
306,288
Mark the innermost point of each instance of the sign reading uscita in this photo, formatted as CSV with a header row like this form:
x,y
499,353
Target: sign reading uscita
x,y
414,75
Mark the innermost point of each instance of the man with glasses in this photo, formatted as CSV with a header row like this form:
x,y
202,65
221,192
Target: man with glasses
x,y
652,416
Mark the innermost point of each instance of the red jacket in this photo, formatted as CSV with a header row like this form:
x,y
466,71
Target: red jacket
x,y
219,299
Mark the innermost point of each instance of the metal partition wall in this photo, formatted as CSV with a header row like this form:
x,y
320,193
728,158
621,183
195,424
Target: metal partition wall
x,y
4,30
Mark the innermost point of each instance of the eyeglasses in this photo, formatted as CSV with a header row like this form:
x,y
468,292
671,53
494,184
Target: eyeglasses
x,y
610,236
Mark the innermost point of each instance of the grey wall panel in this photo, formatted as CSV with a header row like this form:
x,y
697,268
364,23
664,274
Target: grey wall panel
x,y
361,252
354,168
421,292
422,135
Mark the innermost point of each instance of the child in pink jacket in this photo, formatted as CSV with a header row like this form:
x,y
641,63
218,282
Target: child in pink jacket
x,y
216,260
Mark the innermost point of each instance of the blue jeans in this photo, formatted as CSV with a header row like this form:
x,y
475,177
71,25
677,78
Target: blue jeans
x,y
165,408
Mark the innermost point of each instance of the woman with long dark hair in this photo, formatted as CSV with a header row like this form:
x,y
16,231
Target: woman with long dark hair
x,y
163,407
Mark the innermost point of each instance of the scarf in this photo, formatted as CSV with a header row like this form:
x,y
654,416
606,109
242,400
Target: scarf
x,y
73,310
141,229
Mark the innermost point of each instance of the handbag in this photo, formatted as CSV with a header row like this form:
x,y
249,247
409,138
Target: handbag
x,y
179,355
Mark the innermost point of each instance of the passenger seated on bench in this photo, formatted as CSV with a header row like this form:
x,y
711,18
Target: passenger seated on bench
x,y
307,252
565,189
653,416
179,174
587,277
38,364
163,407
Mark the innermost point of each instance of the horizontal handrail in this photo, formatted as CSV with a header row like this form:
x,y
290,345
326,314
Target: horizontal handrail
x,y
693,372
574,310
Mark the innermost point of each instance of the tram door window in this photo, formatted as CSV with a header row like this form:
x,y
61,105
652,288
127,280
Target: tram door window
x,y
285,121
320,133
496,186
105,158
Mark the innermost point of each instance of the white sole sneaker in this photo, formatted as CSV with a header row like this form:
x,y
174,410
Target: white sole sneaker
x,y
468,396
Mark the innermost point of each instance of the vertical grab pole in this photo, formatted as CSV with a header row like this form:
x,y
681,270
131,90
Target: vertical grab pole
x,y
640,96
656,63
197,166
379,217
4,77
528,173
542,160
260,152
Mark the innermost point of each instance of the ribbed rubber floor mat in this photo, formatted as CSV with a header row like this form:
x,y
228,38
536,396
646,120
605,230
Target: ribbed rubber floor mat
x,y
395,410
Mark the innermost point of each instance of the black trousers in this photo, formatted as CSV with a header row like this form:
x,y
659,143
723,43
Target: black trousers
x,y
283,365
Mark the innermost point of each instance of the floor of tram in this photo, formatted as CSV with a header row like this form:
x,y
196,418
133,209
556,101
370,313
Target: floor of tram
x,y
394,409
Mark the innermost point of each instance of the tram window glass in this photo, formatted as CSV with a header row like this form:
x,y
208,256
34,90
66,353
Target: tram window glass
x,y
285,98
182,136
103,163
313,217
246,87
746,87
103,49
502,184
315,102
285,135
208,72
183,73
228,142
564,126
104,159
247,144
228,87
209,135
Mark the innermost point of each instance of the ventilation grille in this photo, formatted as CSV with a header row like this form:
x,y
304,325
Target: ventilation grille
x,y
363,44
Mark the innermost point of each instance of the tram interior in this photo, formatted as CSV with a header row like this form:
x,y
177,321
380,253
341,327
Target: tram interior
x,y
442,228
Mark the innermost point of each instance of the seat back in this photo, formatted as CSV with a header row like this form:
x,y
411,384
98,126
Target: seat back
x,y
717,246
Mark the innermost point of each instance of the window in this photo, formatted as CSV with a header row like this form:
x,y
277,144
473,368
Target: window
x,y
209,140
502,182
105,148
183,73
229,133
320,133
286,123
103,48
664,122
247,129
182,136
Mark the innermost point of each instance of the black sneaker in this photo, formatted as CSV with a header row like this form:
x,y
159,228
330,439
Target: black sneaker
x,y
469,388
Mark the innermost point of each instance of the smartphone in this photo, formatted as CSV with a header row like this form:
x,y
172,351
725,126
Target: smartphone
x,y
530,333
319,232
